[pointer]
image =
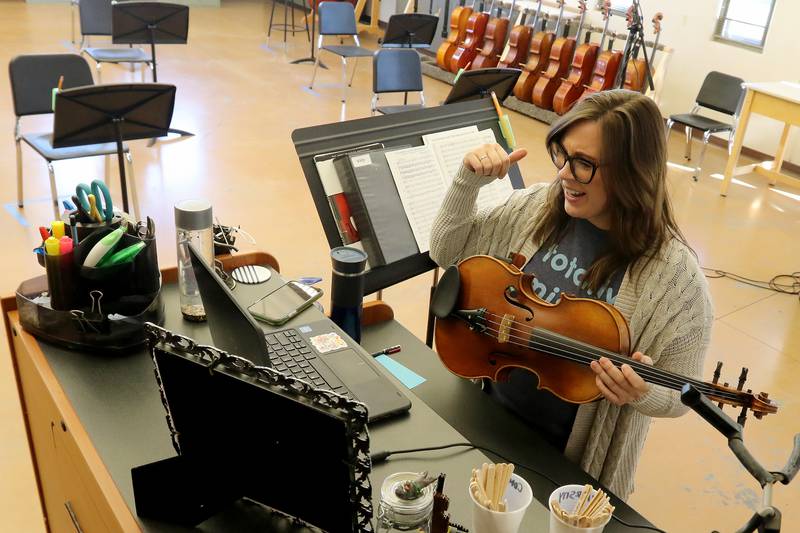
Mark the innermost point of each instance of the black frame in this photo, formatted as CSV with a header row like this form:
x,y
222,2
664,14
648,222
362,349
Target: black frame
x,y
410,30
479,84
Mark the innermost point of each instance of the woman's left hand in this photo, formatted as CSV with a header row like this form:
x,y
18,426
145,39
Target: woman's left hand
x,y
620,385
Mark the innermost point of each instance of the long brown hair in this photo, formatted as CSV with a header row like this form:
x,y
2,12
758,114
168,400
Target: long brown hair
x,y
634,156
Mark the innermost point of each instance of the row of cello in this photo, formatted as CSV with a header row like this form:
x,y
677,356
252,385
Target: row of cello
x,y
556,71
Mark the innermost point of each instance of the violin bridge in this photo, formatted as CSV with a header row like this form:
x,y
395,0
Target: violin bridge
x,y
504,331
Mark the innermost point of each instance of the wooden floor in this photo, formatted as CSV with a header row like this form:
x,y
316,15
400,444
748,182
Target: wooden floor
x,y
243,99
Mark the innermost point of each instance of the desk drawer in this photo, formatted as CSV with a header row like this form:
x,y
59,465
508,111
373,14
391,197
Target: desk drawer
x,y
74,499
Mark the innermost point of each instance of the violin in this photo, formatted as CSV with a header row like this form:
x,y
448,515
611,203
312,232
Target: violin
x,y
537,59
607,63
493,40
458,31
466,51
489,321
560,58
519,41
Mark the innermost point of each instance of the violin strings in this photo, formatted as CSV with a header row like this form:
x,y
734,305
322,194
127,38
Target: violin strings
x,y
652,374
593,351
649,373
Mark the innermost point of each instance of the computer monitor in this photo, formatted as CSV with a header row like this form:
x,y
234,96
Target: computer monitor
x,y
264,435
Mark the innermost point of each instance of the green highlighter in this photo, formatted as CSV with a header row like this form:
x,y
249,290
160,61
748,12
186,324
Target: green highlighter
x,y
126,255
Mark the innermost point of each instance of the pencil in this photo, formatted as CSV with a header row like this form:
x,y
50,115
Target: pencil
x,y
60,82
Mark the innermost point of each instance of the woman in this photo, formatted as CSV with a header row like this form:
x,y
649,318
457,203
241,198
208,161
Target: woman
x,y
602,229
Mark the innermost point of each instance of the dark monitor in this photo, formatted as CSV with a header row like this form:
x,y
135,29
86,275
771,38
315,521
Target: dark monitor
x,y
477,84
252,432
232,328
410,30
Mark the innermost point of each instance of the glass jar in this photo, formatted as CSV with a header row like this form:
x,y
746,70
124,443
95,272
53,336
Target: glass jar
x,y
193,225
397,514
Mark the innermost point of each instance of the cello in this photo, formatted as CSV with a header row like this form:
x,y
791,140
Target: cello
x,y
489,321
537,58
607,63
458,31
466,51
519,41
637,80
583,61
493,40
560,58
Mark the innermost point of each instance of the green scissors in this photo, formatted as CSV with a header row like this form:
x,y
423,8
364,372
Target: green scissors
x,y
102,198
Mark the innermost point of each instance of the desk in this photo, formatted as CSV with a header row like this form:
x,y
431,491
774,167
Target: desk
x,y
90,418
779,100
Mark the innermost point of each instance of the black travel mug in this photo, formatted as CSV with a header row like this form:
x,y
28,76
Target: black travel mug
x,y
347,289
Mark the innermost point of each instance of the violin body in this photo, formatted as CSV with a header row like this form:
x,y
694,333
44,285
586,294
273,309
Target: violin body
x,y
458,31
493,40
605,71
465,52
489,321
546,86
471,354
635,75
537,61
572,88
519,43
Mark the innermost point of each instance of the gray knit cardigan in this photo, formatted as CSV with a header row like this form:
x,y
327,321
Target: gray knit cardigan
x,y
667,307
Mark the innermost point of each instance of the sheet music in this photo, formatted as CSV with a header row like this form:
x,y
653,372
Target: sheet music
x,y
421,186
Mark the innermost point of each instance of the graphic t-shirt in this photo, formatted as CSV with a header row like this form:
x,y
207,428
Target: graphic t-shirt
x,y
557,270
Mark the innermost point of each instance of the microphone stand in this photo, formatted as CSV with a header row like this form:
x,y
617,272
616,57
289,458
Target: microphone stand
x,y
312,58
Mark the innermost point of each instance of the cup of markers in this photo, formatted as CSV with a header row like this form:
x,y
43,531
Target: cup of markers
x,y
57,256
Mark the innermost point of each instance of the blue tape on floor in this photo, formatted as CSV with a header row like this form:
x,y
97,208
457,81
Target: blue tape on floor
x,y
13,210
407,377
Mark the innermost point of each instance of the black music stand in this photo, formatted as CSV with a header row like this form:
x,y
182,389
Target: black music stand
x,y
149,23
312,58
113,113
477,84
410,30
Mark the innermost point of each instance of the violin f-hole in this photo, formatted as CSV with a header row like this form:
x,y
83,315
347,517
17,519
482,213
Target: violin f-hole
x,y
510,295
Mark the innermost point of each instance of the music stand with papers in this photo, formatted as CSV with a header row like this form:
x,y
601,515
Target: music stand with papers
x,y
410,30
149,23
113,113
477,84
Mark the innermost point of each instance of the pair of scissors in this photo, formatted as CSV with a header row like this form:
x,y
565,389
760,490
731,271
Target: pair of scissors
x,y
103,209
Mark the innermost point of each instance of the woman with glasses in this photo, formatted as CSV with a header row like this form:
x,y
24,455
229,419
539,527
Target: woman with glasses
x,y
603,229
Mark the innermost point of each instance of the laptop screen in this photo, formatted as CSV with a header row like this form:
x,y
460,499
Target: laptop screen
x,y
301,451
232,328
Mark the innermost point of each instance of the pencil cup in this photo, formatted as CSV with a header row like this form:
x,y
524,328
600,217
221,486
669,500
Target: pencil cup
x,y
61,281
567,498
518,496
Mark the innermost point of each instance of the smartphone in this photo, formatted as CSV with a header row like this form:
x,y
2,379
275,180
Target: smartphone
x,y
284,303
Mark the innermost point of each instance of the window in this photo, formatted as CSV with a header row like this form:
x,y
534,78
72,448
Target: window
x,y
744,22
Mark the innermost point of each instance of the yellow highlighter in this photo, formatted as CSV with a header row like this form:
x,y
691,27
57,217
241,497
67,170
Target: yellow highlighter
x,y
51,246
505,124
57,229
93,212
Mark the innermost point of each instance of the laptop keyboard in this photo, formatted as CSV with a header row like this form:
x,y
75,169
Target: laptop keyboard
x,y
290,355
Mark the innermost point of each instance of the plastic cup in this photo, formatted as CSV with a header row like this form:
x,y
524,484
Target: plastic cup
x,y
567,497
518,496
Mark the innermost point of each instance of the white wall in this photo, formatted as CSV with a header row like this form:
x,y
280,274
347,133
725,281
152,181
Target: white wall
x,y
687,27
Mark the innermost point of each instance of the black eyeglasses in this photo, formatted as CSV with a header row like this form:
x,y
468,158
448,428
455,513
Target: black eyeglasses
x,y
583,169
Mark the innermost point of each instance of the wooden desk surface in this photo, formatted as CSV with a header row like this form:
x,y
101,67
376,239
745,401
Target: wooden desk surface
x,y
785,90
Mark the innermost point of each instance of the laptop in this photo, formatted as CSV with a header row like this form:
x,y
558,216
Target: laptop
x,y
316,352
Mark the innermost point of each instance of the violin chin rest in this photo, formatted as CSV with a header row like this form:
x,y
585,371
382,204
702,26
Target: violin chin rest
x,y
446,293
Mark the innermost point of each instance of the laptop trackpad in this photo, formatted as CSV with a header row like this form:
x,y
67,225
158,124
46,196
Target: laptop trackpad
x,y
351,369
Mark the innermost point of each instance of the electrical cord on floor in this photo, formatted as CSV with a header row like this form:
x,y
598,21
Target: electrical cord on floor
x,y
782,283
379,457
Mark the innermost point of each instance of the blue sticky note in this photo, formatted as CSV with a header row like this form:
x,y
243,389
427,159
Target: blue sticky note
x,y
407,377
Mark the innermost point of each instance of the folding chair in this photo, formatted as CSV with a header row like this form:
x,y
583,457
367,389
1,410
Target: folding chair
x,y
396,70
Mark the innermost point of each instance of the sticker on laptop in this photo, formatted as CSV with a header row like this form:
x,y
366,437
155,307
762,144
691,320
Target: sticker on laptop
x,y
328,342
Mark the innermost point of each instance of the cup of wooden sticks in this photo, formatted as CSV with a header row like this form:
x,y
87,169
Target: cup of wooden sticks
x,y
499,499
576,508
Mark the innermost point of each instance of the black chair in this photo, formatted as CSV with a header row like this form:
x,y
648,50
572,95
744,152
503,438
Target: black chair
x,y
720,92
396,70
95,17
339,19
33,78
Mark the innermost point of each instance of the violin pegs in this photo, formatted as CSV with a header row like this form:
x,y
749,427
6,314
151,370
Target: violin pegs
x,y
726,384
742,378
717,372
742,417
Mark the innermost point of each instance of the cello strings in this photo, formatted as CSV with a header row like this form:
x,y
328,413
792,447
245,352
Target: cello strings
x,y
648,372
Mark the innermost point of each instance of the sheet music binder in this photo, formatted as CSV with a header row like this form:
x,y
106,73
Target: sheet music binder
x,y
393,131
376,207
